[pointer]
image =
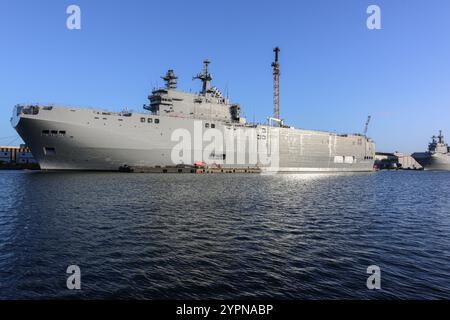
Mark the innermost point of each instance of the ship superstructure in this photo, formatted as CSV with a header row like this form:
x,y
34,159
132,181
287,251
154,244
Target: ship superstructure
x,y
179,128
208,104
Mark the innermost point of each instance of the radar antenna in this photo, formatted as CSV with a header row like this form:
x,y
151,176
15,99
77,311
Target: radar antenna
x,y
205,77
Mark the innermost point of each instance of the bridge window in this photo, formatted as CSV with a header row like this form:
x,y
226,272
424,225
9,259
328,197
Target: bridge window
x,y
149,120
156,120
45,132
142,119
206,125
213,125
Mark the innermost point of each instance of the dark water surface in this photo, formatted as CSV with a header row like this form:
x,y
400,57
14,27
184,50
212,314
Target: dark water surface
x,y
159,236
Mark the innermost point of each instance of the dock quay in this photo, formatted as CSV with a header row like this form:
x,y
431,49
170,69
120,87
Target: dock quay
x,y
188,169
17,158
396,161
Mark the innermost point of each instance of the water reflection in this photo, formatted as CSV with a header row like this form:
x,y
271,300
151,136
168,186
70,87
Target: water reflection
x,y
224,236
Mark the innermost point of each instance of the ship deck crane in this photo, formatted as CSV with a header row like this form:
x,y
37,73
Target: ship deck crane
x,y
366,127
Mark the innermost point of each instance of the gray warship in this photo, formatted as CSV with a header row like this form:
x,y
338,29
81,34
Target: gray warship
x,y
438,155
178,128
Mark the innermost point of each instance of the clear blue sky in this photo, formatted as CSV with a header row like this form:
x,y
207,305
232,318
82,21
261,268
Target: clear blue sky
x,y
334,71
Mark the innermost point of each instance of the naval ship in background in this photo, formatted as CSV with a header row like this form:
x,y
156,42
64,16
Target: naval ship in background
x,y
66,138
438,155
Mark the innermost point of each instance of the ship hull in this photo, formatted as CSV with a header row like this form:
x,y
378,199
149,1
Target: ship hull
x,y
93,140
433,161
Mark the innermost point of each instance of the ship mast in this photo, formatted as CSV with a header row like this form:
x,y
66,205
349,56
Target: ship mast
x,y
170,79
276,85
205,77
441,137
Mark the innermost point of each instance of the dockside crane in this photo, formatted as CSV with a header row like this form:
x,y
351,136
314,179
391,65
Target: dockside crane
x,y
276,86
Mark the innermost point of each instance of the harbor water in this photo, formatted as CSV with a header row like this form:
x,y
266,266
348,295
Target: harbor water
x,y
224,236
